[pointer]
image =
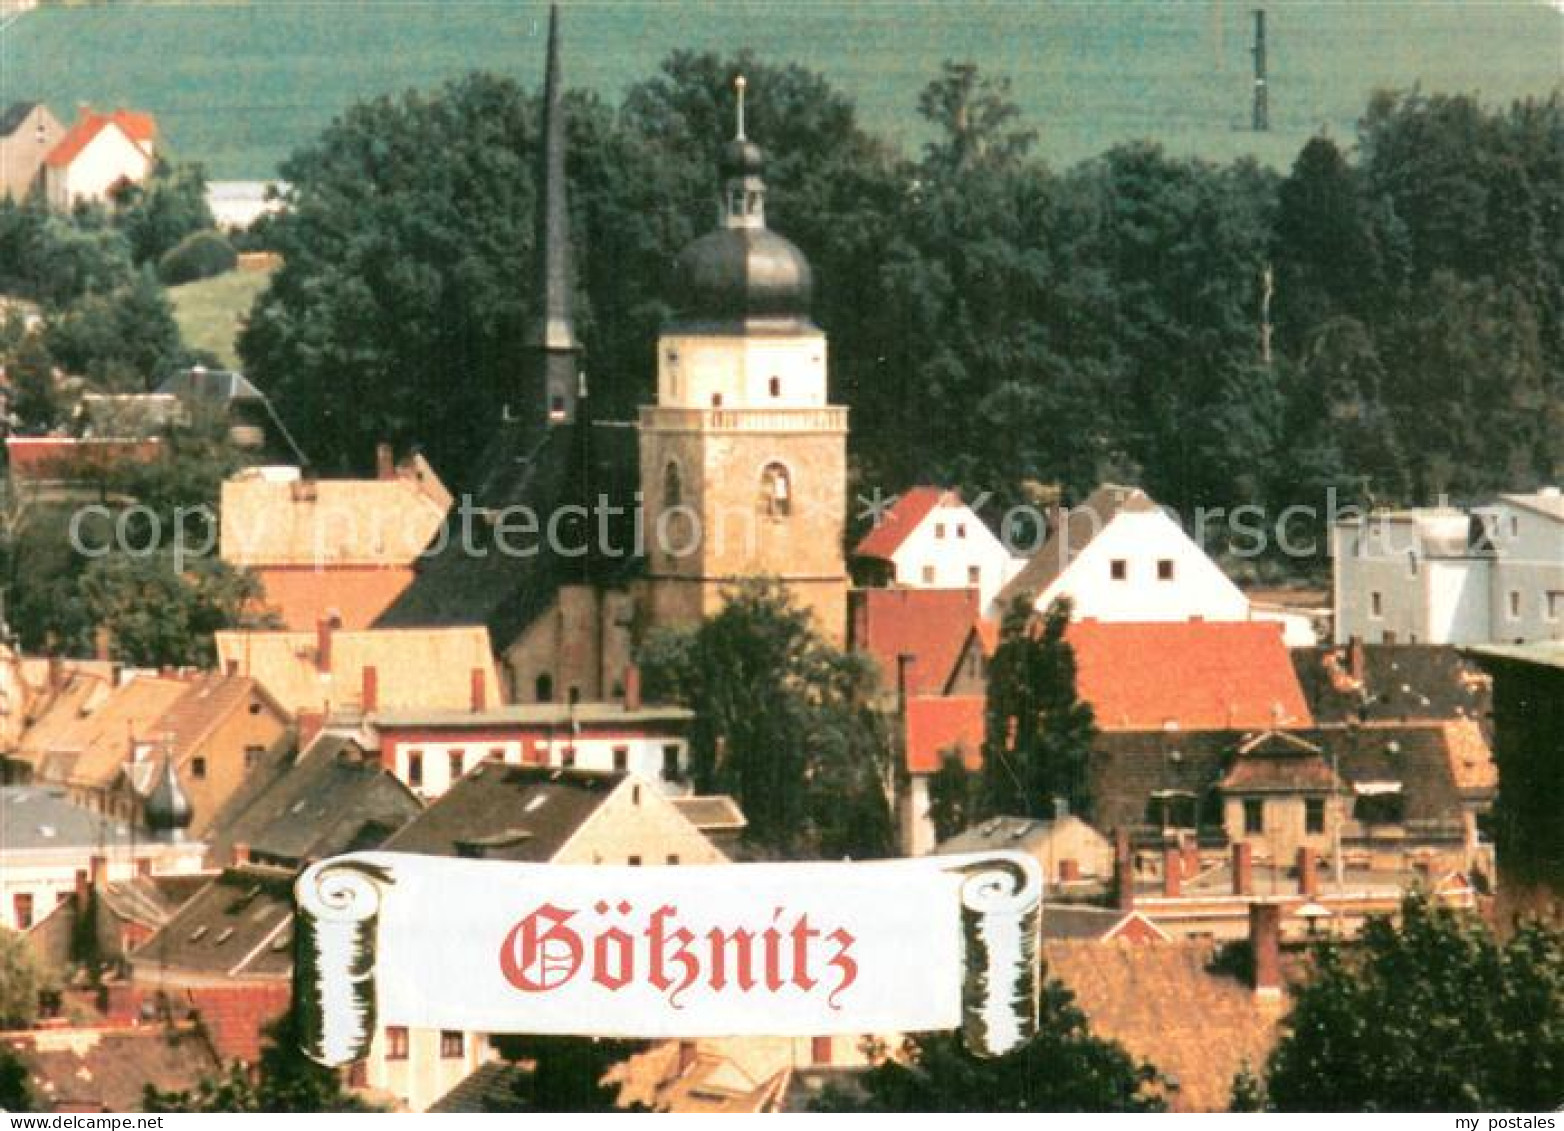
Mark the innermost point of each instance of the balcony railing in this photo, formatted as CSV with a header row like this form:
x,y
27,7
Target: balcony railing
x,y
828,419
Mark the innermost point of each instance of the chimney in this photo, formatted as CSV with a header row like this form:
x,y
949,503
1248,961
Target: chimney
x,y
1191,856
1243,868
1308,875
323,631
310,724
371,694
232,667
632,688
1069,871
56,674
1356,664
385,463
96,866
1172,872
687,1054
1123,871
102,643
480,690
241,853
1265,942
82,889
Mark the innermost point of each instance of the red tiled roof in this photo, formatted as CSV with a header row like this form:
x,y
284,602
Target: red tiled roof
x,y
936,724
302,597
140,128
928,624
65,457
1194,675
900,521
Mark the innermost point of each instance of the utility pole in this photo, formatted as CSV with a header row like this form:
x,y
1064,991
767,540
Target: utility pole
x,y
1262,102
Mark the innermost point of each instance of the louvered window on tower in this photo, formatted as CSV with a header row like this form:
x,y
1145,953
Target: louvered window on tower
x,y
776,491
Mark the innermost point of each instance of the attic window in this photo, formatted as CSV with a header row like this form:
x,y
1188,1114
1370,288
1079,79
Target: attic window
x,y
223,936
283,941
1164,569
535,803
1118,569
198,934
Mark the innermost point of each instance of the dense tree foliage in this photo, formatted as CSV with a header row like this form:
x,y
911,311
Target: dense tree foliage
x,y
1221,334
1433,1014
16,1092
158,213
1065,1067
562,1073
785,725
1037,733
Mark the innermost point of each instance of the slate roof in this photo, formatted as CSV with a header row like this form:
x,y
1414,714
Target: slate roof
x,y
106,1070
930,625
1164,1004
1400,682
1193,675
1084,922
238,926
506,592
13,116
219,386
898,523
333,799
1081,525
38,817
493,1087
1127,767
500,812
1280,763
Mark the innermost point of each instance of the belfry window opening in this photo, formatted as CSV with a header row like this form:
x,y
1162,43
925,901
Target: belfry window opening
x,y
776,491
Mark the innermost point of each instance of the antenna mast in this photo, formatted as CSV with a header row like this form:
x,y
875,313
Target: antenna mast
x,y
1262,101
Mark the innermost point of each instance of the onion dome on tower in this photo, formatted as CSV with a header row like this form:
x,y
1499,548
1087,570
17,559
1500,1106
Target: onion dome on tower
x,y
743,276
167,809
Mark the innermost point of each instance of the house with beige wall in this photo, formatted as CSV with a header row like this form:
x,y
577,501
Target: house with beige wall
x,y
28,133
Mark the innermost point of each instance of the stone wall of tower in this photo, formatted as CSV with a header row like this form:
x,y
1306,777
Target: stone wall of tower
x,y
729,524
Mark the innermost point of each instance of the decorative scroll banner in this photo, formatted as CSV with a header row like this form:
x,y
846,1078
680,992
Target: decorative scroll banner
x,y
940,942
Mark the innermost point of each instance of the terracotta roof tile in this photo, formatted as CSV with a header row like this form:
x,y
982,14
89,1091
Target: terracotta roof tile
x,y
138,127
929,625
1191,675
900,521
301,595
106,1070
936,724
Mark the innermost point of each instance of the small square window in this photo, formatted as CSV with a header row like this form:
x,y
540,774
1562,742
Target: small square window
x,y
621,759
974,575
1165,569
198,768
567,757
633,861
671,761
961,530
396,1042
452,1044
1376,604
939,530
456,758
928,575
1118,569
673,857
1515,604
415,768
1555,603
253,755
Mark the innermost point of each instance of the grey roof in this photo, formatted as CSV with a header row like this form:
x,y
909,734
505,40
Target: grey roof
x,y
40,817
1081,525
1547,654
495,1086
239,925
13,116
1079,921
715,812
1400,682
533,714
333,799
500,812
218,386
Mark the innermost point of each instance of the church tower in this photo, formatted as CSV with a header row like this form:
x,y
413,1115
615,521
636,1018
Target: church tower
x,y
743,458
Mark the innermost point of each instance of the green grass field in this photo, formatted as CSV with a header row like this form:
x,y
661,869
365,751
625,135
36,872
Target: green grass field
x,y
238,84
209,312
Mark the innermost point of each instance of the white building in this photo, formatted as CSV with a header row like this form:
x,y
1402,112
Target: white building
x,y
50,848
99,153
931,539
1494,573
1119,557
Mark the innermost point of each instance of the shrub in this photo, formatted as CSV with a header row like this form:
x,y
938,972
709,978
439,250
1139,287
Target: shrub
x,y
200,255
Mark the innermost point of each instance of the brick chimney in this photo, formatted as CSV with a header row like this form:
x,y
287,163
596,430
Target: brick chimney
x,y
688,1051
241,853
385,463
56,674
371,692
310,724
97,865
102,643
1172,872
1356,663
1123,872
231,668
1191,856
1265,941
1243,868
479,690
1069,871
1308,875
632,688
324,629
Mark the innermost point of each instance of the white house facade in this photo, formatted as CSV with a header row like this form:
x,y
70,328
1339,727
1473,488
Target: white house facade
x,y
931,539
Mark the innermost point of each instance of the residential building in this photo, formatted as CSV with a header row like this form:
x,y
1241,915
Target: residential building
x,y
320,547
1367,682
321,672
935,727
537,815
912,634
28,132
1067,847
1489,573
931,539
52,849
227,396
108,1068
98,154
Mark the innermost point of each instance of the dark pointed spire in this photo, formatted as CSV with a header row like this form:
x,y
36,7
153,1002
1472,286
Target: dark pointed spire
x,y
167,809
553,362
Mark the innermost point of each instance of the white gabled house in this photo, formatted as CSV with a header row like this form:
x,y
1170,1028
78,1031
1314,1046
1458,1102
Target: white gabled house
x,y
99,153
931,539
